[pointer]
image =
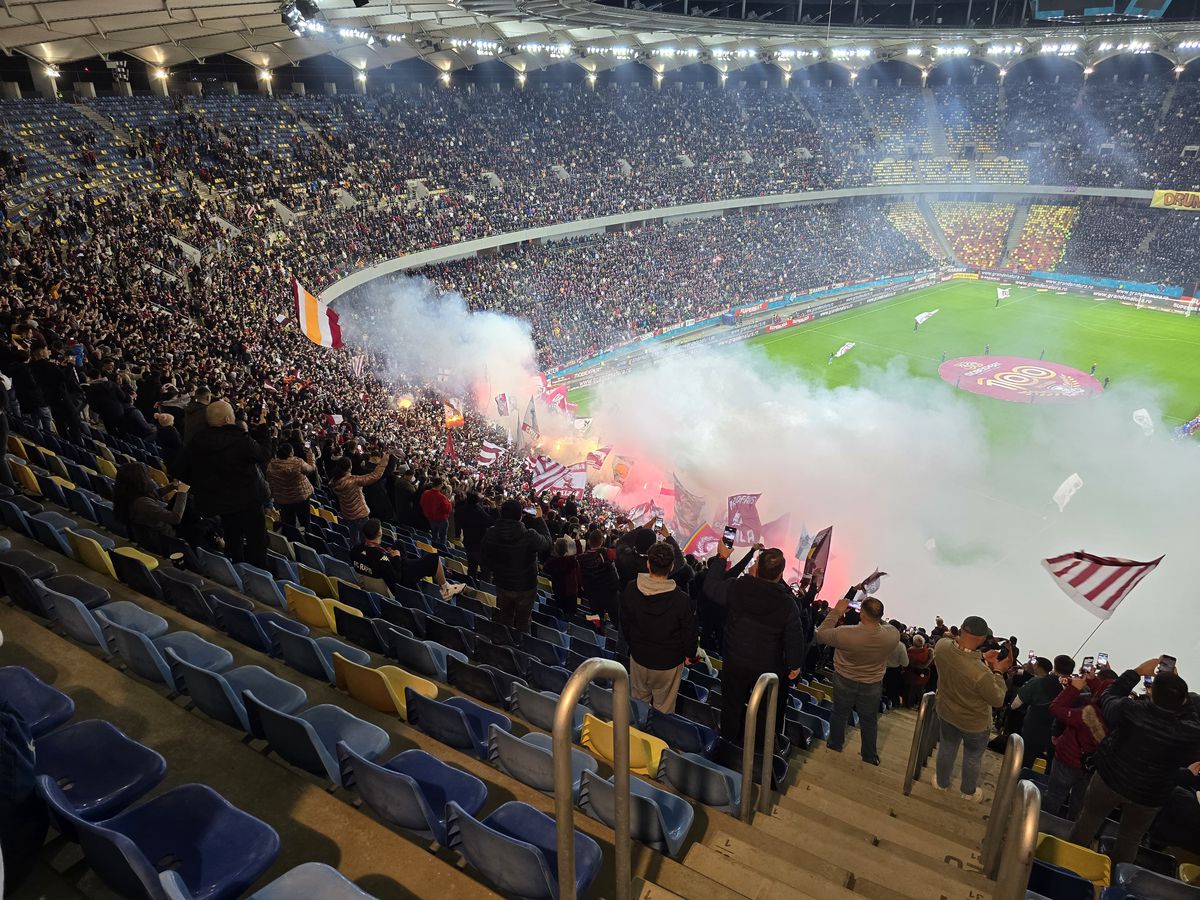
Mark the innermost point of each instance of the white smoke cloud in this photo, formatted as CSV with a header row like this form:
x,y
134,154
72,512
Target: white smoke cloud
x,y
899,460
420,332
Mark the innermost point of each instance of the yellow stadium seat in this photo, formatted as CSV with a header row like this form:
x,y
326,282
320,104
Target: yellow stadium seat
x,y
24,477
105,467
90,553
1039,765
453,565
16,447
376,585
306,607
326,514
102,452
1095,867
424,547
545,582
150,562
645,750
316,581
382,688
1189,872
158,476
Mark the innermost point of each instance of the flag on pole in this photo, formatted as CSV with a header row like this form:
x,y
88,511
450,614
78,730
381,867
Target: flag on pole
x,y
689,508
449,449
742,514
1068,489
357,364
924,317
556,398
644,512
818,552
775,533
503,407
596,458
453,412
804,543
1144,422
488,454
529,425
546,473
703,541
620,469
317,321
844,349
1097,583
1002,293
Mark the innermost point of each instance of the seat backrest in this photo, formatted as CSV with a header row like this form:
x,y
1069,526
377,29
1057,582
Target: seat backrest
x,y
403,617
538,708
48,536
1141,882
365,684
526,762
375,585
41,706
186,597
438,720
89,552
335,568
211,693
698,712
116,858
141,655
679,733
260,585
24,592
357,629
306,555
353,595
597,796
133,572
307,608
514,866
413,655
77,621
394,797
547,678
14,518
450,636
475,682
301,653
291,737
242,625
709,784
219,568
487,653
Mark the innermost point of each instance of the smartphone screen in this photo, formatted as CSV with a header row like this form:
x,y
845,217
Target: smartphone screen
x,y
856,604
1032,656
658,523
1089,664
730,535
1102,660
1166,663
529,510
1148,680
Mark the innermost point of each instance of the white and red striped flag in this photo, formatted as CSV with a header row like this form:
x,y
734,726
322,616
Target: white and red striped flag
x,y
488,454
357,364
1097,583
546,474
596,458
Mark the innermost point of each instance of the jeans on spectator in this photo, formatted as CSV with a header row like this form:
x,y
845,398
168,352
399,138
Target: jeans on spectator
x,y
1065,781
42,418
439,532
295,513
864,697
973,745
246,536
514,607
1098,802
736,687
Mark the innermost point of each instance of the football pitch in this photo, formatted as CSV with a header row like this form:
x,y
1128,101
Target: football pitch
x,y
1154,354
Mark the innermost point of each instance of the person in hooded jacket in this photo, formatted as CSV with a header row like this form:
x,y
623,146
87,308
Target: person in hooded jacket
x,y
222,463
659,626
633,546
474,518
1150,739
511,550
599,582
763,633
1083,730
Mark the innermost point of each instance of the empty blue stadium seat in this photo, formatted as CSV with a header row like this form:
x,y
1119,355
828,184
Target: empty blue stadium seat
x,y
260,584
547,678
131,616
42,707
538,708
530,759
214,849
251,628
1132,882
219,694
309,739
99,770
703,780
457,722
144,655
219,568
1058,883
1146,859
476,681
307,556
600,701
682,734
310,880
658,818
515,849
361,599
313,656
133,572
545,652
27,592
426,658
336,568
411,790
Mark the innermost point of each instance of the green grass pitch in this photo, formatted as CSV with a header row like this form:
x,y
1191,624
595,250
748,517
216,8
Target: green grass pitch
x,y
1151,348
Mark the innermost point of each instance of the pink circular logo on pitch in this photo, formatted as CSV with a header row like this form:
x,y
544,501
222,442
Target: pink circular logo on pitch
x,y
1019,380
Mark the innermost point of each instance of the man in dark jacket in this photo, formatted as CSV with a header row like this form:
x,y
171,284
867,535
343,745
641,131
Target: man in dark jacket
x,y
510,550
221,463
473,519
1149,740
659,626
601,587
763,633
633,547
194,419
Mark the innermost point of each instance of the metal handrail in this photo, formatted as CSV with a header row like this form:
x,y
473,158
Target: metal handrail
x,y
564,808
1020,843
1002,805
768,686
922,734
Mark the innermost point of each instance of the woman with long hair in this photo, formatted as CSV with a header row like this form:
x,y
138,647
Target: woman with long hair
x,y
150,521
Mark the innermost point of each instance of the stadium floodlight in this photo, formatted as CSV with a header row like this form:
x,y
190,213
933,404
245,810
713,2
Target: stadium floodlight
x,y
1188,45
914,51
52,72
951,50
312,26
160,73
1004,50
1063,49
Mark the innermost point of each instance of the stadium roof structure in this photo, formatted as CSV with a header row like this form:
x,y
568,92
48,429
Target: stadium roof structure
x,y
527,35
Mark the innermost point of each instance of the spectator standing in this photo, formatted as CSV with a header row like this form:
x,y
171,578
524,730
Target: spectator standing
x,y
473,519
763,633
511,549
563,569
598,576
1035,698
436,508
5,384
859,663
659,626
916,677
222,464
291,490
1150,739
349,492
970,685
1083,730
194,419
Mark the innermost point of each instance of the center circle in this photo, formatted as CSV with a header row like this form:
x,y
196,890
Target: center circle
x,y
1019,380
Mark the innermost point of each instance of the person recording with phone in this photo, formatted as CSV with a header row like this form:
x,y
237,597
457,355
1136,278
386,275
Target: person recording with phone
x,y
763,631
1150,739
1083,728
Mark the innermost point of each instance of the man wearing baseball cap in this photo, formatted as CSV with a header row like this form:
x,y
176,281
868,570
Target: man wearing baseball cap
x,y
970,683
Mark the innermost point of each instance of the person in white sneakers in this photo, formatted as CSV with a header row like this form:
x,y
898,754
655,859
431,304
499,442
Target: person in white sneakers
x,y
970,684
373,560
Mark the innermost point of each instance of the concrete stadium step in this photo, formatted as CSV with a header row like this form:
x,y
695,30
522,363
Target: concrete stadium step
x,y
648,890
752,872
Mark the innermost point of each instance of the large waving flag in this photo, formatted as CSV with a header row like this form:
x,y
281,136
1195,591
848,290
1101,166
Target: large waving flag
x,y
924,317
453,410
1097,583
529,425
703,541
743,515
488,454
844,349
1002,293
503,407
818,551
546,474
317,321
689,508
596,458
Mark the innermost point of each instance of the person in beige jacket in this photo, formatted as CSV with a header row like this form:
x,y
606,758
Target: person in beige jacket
x,y
287,474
